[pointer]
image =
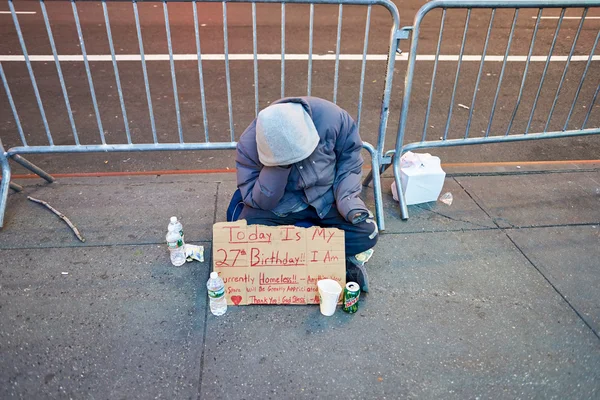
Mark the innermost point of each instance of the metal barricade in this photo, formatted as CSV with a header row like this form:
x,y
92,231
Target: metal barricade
x,y
122,139
535,122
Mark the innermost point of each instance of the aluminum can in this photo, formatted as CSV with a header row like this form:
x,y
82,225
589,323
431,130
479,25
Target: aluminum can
x,y
351,295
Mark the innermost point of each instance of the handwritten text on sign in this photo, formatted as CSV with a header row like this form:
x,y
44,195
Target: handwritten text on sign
x,y
276,264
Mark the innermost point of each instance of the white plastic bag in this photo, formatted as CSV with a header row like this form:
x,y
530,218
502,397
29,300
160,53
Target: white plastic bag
x,y
422,178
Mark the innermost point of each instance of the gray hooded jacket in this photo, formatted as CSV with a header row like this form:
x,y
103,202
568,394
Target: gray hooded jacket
x,y
331,174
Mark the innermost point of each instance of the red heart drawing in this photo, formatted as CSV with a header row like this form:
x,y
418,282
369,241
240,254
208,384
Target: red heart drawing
x,y
236,299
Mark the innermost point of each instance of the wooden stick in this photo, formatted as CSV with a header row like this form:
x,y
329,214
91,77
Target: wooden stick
x,y
60,215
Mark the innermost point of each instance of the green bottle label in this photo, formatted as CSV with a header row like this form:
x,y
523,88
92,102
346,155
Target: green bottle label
x,y
215,294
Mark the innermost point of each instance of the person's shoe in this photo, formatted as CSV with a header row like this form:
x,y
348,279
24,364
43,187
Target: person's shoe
x,y
363,257
357,273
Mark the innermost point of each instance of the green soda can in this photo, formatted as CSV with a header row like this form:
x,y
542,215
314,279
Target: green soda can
x,y
351,295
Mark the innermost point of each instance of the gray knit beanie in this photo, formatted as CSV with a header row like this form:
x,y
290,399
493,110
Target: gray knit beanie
x,y
285,134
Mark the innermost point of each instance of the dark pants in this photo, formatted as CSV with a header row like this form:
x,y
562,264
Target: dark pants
x,y
358,238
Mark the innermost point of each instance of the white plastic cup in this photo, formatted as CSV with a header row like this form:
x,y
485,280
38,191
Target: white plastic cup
x,y
329,293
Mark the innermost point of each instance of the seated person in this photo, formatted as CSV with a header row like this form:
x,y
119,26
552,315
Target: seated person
x,y
299,162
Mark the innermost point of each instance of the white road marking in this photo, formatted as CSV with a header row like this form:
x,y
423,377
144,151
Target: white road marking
x,y
509,58
565,17
288,57
19,12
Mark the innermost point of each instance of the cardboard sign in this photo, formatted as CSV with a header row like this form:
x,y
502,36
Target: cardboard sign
x,y
276,264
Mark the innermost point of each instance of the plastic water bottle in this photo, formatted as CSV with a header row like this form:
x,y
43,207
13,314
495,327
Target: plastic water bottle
x,y
175,243
175,224
216,294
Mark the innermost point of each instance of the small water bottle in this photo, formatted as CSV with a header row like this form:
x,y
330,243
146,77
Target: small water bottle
x,y
175,243
216,294
175,224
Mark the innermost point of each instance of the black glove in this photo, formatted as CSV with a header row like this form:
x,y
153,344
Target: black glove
x,y
358,216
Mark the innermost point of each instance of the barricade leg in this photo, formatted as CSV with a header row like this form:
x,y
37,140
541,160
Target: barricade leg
x,y
15,187
401,198
376,177
4,184
33,168
377,195
369,177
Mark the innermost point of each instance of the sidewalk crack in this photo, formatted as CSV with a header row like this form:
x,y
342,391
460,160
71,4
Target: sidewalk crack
x,y
552,285
520,173
503,230
209,259
216,203
477,203
452,218
200,378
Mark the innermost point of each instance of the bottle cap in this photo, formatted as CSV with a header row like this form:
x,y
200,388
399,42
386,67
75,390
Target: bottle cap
x,y
214,275
173,219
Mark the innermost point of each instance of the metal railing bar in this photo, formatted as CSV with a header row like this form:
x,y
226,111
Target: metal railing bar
x,y
583,76
434,75
520,96
12,106
30,70
255,51
363,67
537,95
510,37
88,71
337,53
227,75
591,107
144,70
172,64
200,72
59,71
562,79
116,70
310,47
282,50
121,148
479,73
462,51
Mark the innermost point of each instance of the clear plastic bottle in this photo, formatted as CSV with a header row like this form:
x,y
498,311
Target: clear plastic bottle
x,y
175,224
216,294
175,243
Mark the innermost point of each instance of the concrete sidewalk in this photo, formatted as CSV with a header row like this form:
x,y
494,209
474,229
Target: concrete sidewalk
x,y
495,296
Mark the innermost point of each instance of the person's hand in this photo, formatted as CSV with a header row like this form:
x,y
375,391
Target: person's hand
x,y
358,216
285,166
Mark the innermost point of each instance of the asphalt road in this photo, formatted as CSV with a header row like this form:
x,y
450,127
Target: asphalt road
x,y
296,77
